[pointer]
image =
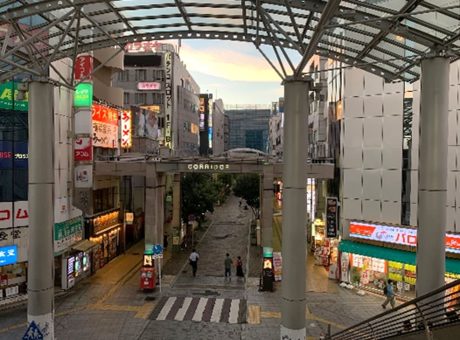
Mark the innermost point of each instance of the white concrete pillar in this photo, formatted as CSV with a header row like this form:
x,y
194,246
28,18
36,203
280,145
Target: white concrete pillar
x,y
294,209
431,215
267,206
40,276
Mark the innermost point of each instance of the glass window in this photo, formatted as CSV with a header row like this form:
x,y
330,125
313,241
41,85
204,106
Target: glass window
x,y
6,185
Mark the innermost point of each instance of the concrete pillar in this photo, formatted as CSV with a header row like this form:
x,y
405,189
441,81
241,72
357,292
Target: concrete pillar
x,y
294,209
40,280
150,209
160,204
431,215
267,207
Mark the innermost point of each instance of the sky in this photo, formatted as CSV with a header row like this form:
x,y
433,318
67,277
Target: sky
x,y
233,71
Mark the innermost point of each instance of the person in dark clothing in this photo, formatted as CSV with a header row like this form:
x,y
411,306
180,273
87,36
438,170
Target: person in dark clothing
x,y
239,268
193,259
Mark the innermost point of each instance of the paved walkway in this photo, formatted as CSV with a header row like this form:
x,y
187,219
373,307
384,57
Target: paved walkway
x,y
110,305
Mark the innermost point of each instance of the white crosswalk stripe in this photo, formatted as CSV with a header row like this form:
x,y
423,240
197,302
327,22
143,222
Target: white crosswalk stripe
x,y
200,309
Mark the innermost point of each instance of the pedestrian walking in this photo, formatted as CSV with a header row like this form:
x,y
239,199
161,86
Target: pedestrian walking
x,y
239,268
388,290
193,260
228,267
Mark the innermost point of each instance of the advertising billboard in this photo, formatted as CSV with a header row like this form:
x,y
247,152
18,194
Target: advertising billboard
x,y
83,95
397,235
9,97
148,86
168,99
83,149
126,130
105,126
83,67
8,255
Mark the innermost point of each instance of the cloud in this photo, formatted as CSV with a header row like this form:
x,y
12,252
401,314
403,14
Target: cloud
x,y
227,62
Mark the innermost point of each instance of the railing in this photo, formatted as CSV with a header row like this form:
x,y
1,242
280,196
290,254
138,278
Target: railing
x,y
425,313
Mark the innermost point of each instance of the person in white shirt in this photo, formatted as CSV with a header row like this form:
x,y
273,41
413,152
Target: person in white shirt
x,y
193,259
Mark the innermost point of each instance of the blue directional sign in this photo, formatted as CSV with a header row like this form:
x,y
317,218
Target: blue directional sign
x,y
157,249
33,332
8,255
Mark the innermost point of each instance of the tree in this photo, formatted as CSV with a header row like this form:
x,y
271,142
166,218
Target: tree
x,y
247,187
199,193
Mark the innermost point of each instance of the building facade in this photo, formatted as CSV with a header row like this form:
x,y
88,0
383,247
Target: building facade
x,y
248,126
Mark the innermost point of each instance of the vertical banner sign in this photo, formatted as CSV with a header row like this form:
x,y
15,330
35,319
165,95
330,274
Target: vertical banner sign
x,y
83,67
126,131
168,99
83,149
331,216
83,95
105,126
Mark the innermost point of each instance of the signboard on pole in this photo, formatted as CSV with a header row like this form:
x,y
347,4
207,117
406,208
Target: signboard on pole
x,y
33,332
331,216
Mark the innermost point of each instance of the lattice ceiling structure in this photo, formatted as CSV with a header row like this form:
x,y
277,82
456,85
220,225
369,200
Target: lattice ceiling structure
x,y
385,37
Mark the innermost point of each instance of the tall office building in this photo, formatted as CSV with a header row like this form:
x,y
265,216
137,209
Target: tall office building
x,y
248,126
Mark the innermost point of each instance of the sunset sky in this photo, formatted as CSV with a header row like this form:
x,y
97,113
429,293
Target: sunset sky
x,y
233,71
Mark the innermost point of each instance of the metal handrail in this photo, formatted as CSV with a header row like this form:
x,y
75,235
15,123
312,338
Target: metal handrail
x,y
425,312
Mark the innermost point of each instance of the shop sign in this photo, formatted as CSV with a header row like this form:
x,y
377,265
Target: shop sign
x,y
126,130
397,235
14,214
267,252
105,221
129,218
145,86
67,233
9,97
168,101
331,217
83,176
83,149
105,126
8,255
83,95
277,265
83,67
142,46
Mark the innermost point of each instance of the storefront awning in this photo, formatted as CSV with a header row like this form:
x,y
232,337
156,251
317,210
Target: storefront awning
x,y
84,245
452,265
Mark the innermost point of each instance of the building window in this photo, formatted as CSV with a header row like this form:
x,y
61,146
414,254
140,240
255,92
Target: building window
x,y
140,98
123,75
141,75
159,75
126,98
104,199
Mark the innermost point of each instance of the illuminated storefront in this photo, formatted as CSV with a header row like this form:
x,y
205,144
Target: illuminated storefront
x,y
106,231
388,254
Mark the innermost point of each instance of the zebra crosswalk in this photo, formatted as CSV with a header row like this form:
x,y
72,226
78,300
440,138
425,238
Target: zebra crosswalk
x,y
181,308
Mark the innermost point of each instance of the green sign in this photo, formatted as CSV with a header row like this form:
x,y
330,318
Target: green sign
x,y
68,228
83,95
8,97
268,252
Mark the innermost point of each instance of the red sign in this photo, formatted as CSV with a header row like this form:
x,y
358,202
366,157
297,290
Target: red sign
x,y
397,235
83,67
105,114
148,86
17,211
142,46
147,278
83,149
126,131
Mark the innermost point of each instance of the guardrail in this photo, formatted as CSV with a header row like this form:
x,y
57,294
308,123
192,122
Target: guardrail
x,y
436,309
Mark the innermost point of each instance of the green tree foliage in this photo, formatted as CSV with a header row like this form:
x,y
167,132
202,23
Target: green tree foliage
x,y
247,187
199,193
224,185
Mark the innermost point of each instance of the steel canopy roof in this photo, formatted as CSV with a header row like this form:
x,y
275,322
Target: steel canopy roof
x,y
385,37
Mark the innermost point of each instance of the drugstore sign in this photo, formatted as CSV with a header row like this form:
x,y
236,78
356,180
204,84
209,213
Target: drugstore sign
x,y
397,235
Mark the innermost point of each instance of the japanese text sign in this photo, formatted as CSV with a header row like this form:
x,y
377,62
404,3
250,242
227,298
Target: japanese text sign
x,y
83,95
126,129
397,235
83,149
105,126
83,67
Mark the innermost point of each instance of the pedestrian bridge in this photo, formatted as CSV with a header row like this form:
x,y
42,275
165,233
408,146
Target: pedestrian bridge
x,y
145,166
